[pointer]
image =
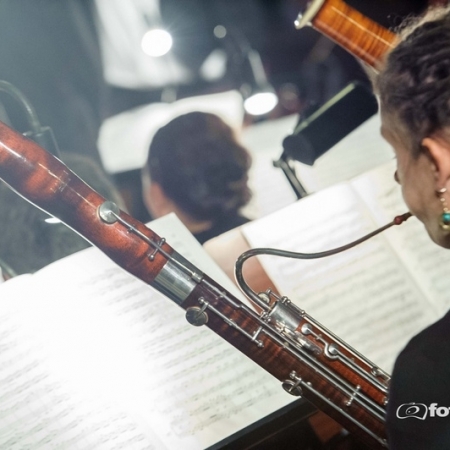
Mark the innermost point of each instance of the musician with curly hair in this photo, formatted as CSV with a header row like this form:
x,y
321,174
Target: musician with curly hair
x,y
414,91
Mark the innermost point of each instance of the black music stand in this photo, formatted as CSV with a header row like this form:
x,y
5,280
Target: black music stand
x,y
285,164
319,131
278,430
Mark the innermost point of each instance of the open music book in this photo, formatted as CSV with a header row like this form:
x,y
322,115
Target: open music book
x,y
375,296
92,358
361,150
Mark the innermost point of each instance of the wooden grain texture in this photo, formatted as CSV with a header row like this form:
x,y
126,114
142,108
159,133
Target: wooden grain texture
x,y
46,182
279,362
359,35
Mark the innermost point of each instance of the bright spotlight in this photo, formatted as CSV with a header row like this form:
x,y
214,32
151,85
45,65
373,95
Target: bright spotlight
x,y
156,42
260,103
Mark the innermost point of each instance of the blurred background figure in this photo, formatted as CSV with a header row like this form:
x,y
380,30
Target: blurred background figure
x,y
31,239
50,51
80,62
197,168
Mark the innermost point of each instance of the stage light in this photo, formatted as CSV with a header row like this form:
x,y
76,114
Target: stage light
x,y
259,95
260,103
156,42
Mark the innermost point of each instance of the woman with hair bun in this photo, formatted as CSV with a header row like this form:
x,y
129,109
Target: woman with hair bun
x,y
197,169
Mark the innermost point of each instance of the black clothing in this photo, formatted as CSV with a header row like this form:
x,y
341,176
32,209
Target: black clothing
x,y
422,375
220,226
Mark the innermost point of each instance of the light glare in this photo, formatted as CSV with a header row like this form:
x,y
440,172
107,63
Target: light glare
x,y
220,31
260,103
52,220
156,42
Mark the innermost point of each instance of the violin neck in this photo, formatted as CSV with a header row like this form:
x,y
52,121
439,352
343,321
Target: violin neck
x,y
359,35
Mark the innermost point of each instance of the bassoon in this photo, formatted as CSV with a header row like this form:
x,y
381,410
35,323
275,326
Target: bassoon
x,y
308,359
362,37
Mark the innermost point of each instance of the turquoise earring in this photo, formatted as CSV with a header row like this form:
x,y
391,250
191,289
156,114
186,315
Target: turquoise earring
x,y
444,218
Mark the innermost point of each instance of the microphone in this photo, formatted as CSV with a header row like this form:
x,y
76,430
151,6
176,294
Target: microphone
x,y
342,114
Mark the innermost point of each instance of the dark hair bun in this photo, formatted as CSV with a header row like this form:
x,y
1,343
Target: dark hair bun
x,y
200,165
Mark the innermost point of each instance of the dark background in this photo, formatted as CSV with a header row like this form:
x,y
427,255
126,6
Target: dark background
x,y
49,49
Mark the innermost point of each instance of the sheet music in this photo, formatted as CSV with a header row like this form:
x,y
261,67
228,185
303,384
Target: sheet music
x,y
360,151
426,260
364,295
124,138
270,187
37,410
114,344
180,239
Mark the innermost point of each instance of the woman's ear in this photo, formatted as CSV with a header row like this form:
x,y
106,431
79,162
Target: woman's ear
x,y
439,152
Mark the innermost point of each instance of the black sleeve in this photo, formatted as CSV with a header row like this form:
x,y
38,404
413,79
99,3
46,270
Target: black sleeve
x,y
419,398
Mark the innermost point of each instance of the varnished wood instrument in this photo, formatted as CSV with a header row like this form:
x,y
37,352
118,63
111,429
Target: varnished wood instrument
x,y
281,338
361,36
308,359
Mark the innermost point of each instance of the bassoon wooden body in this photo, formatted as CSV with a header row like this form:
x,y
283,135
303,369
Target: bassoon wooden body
x,y
356,33
308,359
281,338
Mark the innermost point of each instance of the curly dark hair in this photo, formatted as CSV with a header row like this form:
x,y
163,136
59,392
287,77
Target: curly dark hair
x,y
414,82
200,165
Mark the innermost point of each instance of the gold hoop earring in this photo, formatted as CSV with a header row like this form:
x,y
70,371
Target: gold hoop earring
x,y
444,218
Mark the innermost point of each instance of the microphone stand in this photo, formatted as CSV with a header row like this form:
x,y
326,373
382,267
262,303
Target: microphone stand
x,y
284,163
318,131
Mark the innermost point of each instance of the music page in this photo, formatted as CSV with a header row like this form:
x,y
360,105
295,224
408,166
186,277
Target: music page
x,y
364,295
359,151
270,187
95,357
420,255
38,408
